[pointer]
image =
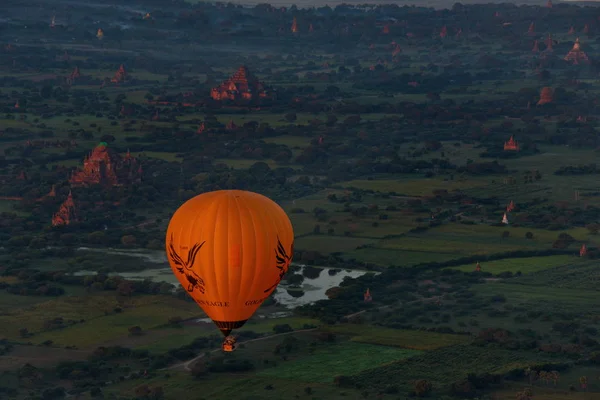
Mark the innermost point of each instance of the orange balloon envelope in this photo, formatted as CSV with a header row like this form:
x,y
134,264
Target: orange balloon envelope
x,y
230,249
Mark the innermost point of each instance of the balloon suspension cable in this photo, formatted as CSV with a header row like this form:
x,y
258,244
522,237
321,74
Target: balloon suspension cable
x,y
225,332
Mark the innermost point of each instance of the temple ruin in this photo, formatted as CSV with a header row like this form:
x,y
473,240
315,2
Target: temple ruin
x,y
104,166
241,86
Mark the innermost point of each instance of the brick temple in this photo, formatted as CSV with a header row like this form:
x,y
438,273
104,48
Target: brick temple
x,y
241,86
104,166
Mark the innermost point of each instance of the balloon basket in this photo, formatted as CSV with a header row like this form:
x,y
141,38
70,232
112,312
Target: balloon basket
x,y
229,344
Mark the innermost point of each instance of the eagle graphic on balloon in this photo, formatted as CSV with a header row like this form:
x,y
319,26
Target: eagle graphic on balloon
x,y
198,249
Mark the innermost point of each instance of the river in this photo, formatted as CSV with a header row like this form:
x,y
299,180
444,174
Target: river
x,y
313,287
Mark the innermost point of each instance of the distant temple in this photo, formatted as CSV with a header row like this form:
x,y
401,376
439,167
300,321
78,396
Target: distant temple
x,y
505,219
120,76
242,85
546,96
510,207
549,4
100,33
443,32
536,47
576,55
571,31
367,296
583,250
66,214
73,76
531,30
104,166
294,28
511,145
478,267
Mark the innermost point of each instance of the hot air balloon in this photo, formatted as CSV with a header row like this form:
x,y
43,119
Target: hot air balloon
x,y
230,249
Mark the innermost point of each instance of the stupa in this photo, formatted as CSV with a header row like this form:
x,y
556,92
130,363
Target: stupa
x,y
583,250
505,219
546,96
66,214
536,47
104,166
549,4
120,75
443,32
511,145
571,31
367,296
242,85
531,30
511,206
294,28
477,267
576,55
100,33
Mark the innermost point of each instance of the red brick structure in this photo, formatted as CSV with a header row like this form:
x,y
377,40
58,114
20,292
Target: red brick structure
x,y
576,55
241,86
511,145
66,214
546,96
104,166
120,76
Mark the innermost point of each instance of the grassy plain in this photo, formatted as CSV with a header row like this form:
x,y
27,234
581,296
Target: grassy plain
x,y
180,385
411,186
447,365
548,298
344,358
171,338
407,339
526,265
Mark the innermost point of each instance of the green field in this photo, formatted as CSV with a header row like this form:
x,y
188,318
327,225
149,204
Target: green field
x,y
408,339
580,273
180,385
343,358
526,265
330,244
171,338
413,187
145,311
447,365
548,298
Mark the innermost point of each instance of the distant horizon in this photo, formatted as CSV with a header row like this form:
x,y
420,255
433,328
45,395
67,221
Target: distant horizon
x,y
440,4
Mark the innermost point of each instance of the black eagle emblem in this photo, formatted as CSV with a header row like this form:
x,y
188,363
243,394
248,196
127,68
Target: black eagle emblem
x,y
283,261
185,267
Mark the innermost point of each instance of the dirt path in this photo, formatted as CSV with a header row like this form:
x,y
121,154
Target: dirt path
x,y
186,364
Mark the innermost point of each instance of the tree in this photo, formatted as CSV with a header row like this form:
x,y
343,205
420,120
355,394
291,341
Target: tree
x,y
282,328
135,331
422,387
